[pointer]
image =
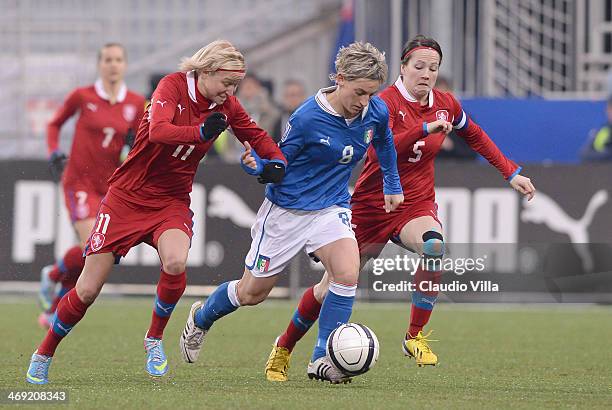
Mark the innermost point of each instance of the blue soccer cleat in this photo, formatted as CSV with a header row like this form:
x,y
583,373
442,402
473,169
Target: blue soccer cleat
x,y
47,288
38,372
157,363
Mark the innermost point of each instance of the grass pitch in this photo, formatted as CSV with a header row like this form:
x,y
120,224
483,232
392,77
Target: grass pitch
x,y
490,357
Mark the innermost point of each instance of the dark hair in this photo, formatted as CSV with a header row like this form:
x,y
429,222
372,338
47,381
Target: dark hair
x,y
107,45
420,41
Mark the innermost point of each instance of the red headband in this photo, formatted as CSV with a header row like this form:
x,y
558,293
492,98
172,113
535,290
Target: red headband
x,y
231,71
407,53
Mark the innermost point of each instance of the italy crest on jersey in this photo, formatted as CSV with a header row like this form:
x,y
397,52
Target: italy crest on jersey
x,y
263,263
367,136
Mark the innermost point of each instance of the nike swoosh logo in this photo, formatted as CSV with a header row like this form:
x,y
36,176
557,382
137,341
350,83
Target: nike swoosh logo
x,y
63,328
161,367
36,379
162,308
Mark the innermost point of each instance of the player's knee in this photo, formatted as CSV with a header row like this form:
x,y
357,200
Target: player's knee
x,y
347,274
174,265
433,247
433,244
251,298
87,293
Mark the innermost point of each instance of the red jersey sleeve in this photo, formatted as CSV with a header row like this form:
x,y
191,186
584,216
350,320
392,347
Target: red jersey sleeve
x,y
67,110
161,113
480,141
392,107
404,136
141,105
246,129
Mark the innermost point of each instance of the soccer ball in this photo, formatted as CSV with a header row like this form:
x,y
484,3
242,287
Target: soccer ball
x,y
353,348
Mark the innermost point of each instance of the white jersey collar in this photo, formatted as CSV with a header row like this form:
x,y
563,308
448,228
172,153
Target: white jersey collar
x,y
321,99
191,88
399,84
99,87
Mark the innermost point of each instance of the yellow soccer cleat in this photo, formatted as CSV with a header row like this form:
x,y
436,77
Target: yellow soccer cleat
x,y
418,348
278,363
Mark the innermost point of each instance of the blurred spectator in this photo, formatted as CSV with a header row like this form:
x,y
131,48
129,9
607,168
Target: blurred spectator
x,y
254,95
256,100
453,147
599,144
294,94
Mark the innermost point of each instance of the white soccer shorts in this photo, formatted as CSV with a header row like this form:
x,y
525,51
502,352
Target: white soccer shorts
x,y
280,233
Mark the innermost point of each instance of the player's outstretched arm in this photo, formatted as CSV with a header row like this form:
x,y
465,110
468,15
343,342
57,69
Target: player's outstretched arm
x,y
247,130
387,158
67,110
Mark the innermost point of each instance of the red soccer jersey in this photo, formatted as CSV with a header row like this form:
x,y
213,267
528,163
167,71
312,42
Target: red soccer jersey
x,y
98,136
161,166
416,150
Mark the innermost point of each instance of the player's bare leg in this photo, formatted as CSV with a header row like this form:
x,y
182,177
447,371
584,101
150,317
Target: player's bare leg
x,y
94,275
320,289
65,272
252,290
423,235
173,249
341,261
83,229
304,317
70,311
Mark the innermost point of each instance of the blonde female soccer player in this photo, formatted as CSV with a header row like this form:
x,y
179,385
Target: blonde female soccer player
x,y
148,198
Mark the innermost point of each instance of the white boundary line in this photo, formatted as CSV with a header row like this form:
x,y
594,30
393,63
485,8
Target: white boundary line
x,y
128,289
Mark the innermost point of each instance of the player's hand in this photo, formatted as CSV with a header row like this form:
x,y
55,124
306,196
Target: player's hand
x,y
273,172
393,201
523,185
250,160
57,163
269,171
214,125
439,126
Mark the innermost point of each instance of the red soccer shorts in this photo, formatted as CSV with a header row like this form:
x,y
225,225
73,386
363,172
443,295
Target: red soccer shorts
x,y
374,228
121,224
82,203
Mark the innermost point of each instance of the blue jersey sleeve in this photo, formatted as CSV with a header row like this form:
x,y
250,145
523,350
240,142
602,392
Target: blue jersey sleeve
x,y
387,156
293,139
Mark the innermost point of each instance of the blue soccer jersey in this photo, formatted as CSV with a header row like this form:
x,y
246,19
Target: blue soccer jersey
x,y
322,148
